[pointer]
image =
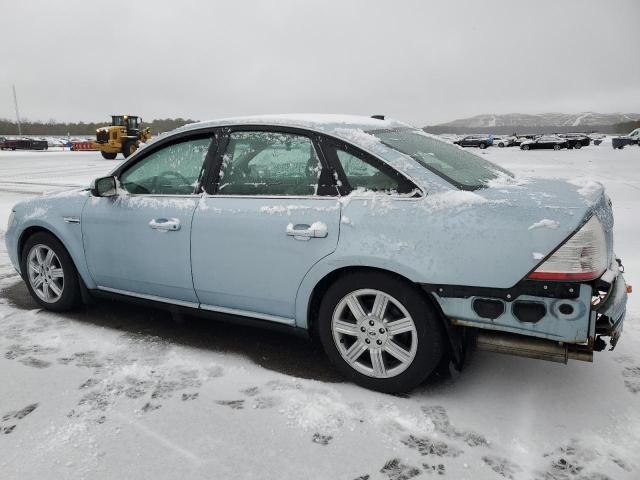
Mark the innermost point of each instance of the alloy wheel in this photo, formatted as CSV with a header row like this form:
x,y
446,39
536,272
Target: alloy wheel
x,y
45,273
374,333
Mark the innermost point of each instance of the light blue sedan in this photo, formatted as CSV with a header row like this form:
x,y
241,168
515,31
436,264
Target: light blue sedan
x,y
389,245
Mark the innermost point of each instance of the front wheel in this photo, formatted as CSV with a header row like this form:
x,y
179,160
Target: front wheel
x,y
557,147
525,147
578,146
482,146
51,276
108,156
380,331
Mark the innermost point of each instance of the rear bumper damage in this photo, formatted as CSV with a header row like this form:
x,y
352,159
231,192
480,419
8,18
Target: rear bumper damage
x,y
554,321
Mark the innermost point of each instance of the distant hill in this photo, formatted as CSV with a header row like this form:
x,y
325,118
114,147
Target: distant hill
x,y
537,123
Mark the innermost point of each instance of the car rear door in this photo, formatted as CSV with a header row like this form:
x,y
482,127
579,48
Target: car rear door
x,y
271,213
138,242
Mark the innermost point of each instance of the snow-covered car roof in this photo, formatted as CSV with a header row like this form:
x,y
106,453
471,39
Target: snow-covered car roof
x,y
313,121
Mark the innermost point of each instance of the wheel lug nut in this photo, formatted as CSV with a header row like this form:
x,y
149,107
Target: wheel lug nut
x,y
382,330
366,340
372,323
362,329
379,342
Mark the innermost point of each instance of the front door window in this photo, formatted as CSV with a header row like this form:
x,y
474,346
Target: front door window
x,y
172,170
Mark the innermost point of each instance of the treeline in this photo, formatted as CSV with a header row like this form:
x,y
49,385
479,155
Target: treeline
x,y
60,129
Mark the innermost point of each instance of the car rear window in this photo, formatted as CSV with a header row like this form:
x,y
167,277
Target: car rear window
x,y
459,167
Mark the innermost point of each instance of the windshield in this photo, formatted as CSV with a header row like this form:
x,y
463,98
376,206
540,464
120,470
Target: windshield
x,y
457,166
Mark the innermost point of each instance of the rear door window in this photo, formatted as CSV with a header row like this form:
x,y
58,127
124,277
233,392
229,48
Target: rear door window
x,y
269,163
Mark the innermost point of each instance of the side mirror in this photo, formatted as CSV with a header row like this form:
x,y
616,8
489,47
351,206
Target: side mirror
x,y
104,187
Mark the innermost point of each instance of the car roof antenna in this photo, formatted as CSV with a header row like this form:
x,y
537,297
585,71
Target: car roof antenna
x,y
378,117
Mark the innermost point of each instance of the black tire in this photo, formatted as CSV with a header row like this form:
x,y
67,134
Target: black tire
x,y
71,295
557,147
524,147
128,148
108,156
430,339
501,145
578,146
482,146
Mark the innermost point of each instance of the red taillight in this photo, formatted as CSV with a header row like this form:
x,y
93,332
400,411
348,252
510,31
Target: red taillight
x,y
582,258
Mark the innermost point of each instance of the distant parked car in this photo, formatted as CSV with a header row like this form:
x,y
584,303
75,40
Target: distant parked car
x,y
480,141
55,142
505,141
521,139
24,144
2,140
576,140
596,138
545,142
622,141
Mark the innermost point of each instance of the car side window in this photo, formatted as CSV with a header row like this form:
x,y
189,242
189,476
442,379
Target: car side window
x,y
269,163
172,170
366,176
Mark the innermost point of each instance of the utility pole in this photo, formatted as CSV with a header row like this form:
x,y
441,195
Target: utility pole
x,y
15,102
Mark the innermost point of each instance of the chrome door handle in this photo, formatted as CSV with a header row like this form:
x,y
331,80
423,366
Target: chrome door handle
x,y
302,231
165,224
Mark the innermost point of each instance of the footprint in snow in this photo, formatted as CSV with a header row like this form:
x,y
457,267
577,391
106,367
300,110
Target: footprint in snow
x,y
149,407
250,391
573,461
440,419
234,404
189,396
632,378
396,470
502,466
262,403
439,469
427,446
15,416
630,372
321,439
34,362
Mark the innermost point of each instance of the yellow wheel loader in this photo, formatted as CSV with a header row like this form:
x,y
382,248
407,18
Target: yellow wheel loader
x,y
124,135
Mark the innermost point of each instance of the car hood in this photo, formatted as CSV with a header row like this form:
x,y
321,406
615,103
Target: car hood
x,y
51,207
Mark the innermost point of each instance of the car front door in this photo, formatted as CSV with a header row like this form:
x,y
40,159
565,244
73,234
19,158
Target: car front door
x,y
138,242
271,213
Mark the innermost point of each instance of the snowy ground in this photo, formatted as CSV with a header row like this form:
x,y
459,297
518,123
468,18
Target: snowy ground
x,y
116,391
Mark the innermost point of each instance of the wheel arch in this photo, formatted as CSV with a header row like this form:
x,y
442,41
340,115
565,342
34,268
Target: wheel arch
x,y
321,287
37,228
455,344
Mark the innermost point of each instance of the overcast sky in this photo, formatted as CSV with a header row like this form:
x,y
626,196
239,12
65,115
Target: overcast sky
x,y
423,62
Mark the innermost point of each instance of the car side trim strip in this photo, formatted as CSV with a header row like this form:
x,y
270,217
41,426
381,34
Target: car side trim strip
x,y
245,313
149,297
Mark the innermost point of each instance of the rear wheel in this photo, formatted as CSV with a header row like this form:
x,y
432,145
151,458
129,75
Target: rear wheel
x,y
51,276
557,147
380,332
109,156
578,146
524,147
501,145
128,148
482,146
